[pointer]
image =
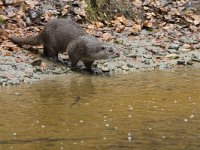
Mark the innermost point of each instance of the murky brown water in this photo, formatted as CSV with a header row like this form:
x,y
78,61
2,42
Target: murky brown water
x,y
158,110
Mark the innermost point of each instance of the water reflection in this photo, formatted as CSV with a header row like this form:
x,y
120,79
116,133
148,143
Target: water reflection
x,y
142,110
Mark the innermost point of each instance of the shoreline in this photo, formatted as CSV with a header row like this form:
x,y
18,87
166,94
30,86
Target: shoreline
x,y
143,52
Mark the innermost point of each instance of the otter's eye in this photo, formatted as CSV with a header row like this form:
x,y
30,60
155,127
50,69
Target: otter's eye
x,y
103,48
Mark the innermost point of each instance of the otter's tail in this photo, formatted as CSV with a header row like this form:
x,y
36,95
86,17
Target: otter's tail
x,y
31,40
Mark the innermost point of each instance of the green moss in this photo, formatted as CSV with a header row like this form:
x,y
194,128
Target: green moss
x,y
107,9
1,20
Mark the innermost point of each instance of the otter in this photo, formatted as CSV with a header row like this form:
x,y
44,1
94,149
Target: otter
x,y
61,35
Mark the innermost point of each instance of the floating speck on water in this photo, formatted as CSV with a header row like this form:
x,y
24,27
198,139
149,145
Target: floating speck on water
x,y
163,137
67,129
61,147
37,121
150,129
61,143
155,106
189,98
115,128
129,116
14,133
43,126
185,120
82,141
162,109
104,120
86,103
75,124
81,121
175,102
17,94
129,134
191,116
105,116
111,110
194,103
129,139
107,125
130,107
74,143
104,138
64,123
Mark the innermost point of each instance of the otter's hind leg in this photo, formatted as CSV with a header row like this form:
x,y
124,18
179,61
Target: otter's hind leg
x,y
51,52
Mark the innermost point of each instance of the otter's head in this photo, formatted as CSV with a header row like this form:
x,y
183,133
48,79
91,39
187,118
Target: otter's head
x,y
100,50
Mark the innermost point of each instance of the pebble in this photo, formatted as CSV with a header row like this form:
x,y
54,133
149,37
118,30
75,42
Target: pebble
x,y
173,46
172,56
105,69
125,68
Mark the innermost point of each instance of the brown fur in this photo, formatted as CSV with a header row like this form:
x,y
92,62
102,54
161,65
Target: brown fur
x,y
60,35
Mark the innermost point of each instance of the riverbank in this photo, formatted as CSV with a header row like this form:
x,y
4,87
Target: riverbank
x,y
147,51
159,36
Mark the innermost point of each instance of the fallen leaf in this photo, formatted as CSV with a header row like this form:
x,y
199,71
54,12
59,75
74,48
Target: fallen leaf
x,y
99,24
6,53
147,24
120,28
106,36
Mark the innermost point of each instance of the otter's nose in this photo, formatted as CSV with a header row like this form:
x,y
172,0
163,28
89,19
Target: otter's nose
x,y
117,54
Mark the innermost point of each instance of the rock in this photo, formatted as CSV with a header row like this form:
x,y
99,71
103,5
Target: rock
x,y
172,56
173,46
57,71
132,55
189,40
36,62
163,66
105,69
125,68
129,65
148,56
112,65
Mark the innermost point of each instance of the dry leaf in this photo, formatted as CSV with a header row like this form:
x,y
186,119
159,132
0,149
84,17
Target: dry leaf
x,y
136,28
65,10
120,28
99,24
106,36
122,19
148,24
6,53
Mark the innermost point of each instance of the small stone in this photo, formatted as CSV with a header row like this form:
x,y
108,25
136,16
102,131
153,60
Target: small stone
x,y
105,69
172,56
130,65
173,46
36,62
125,68
57,71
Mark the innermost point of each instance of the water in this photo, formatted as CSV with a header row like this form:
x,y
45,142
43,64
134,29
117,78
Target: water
x,y
157,110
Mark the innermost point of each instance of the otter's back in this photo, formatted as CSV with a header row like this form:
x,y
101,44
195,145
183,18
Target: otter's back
x,y
60,32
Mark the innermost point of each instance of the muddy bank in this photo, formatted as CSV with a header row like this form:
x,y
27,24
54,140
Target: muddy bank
x,y
144,52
